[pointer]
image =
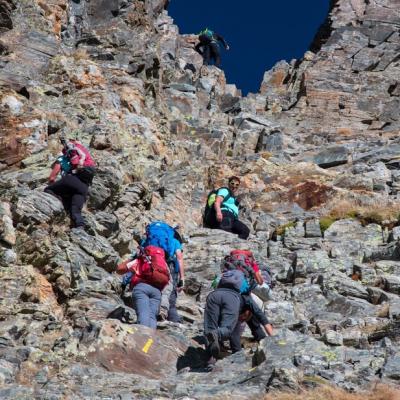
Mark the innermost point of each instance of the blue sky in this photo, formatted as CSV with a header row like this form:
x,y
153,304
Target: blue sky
x,y
259,32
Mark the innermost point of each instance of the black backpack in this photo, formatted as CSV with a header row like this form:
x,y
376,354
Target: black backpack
x,y
209,210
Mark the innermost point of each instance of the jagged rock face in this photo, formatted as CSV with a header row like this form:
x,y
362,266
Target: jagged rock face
x,y
348,90
164,130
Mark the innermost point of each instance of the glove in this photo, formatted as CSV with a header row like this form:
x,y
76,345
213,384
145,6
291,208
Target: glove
x,y
181,283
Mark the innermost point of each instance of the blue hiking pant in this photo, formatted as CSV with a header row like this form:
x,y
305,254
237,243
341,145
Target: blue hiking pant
x,y
146,300
222,312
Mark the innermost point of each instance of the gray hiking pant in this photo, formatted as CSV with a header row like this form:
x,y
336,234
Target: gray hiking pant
x,y
146,300
222,312
173,312
169,296
165,295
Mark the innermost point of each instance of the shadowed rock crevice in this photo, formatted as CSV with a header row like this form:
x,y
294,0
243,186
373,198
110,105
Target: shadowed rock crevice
x,y
325,30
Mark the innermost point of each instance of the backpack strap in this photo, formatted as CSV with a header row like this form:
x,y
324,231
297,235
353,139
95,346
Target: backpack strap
x,y
227,197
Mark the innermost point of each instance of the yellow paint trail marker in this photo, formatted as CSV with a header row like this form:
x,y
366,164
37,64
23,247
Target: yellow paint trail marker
x,y
147,346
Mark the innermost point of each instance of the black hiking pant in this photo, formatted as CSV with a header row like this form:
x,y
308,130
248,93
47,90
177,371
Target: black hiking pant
x,y
173,315
209,49
221,313
72,192
231,224
256,328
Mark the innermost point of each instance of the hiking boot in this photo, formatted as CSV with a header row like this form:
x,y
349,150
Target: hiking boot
x,y
90,230
213,343
163,315
210,364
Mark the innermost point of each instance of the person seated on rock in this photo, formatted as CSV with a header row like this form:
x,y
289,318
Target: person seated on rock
x,y
208,46
224,305
149,274
222,210
73,187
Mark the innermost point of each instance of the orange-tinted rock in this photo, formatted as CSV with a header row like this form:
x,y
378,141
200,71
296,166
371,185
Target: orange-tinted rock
x,y
309,194
55,12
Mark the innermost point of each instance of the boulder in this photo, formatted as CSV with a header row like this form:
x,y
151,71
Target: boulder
x,y
34,207
331,157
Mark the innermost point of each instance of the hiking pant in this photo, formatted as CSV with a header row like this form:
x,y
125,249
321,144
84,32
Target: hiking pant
x,y
231,224
256,330
72,192
173,315
146,301
234,340
221,313
169,296
165,295
209,51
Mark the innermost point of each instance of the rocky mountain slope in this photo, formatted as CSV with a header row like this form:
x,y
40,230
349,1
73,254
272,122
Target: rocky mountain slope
x,y
318,150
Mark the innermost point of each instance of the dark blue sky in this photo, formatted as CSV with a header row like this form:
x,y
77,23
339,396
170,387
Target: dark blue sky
x,y
259,32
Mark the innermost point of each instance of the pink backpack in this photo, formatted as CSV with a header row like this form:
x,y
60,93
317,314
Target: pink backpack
x,y
75,157
151,268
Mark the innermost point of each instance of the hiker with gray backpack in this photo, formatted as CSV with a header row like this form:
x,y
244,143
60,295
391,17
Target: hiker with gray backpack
x,y
260,284
208,46
222,210
225,308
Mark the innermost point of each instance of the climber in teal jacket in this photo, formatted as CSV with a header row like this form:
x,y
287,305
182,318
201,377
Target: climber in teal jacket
x,y
226,206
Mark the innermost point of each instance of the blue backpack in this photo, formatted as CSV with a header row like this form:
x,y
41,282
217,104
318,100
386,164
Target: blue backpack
x,y
160,234
234,279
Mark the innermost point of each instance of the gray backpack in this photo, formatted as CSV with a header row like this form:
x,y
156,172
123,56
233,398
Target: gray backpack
x,y
234,279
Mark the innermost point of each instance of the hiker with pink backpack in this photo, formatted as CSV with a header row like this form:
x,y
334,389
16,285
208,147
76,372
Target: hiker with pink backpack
x,y
72,189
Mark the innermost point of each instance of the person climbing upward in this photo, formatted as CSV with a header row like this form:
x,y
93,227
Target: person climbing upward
x,y
208,46
223,311
161,234
244,260
149,275
222,210
73,187
178,277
